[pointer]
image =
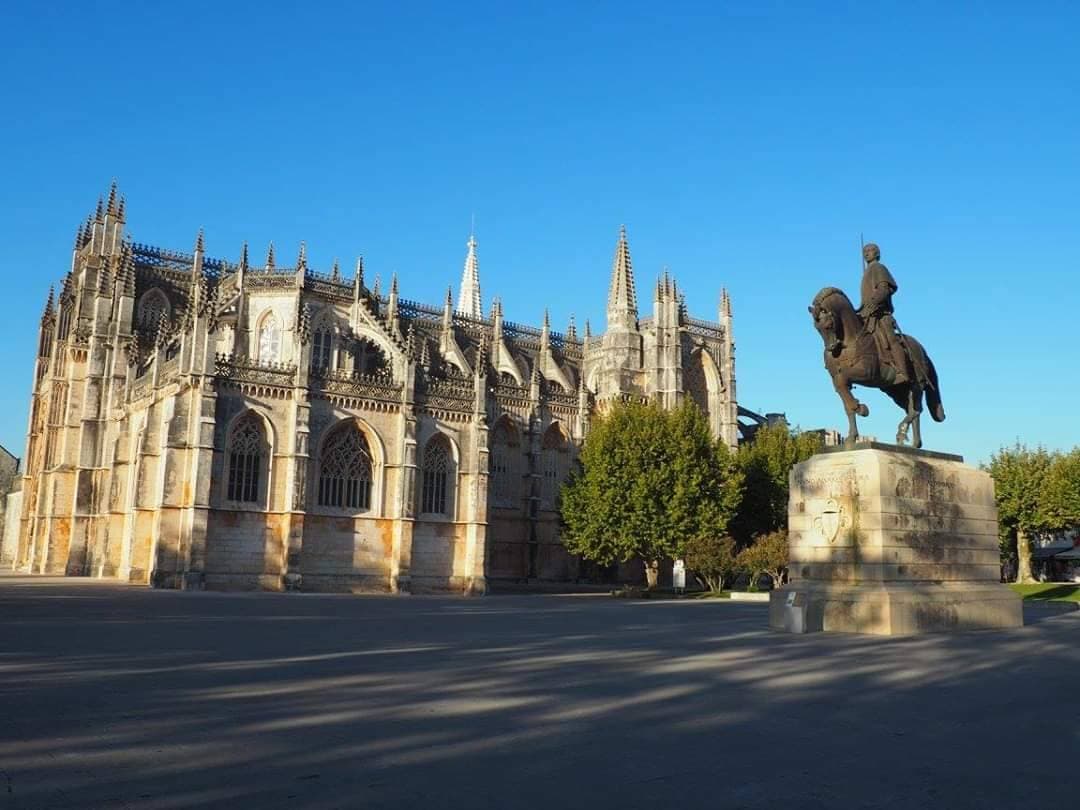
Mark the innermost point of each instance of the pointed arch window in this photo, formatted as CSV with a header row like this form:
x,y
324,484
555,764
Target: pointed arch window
x,y
321,347
345,471
152,306
368,358
248,460
555,465
437,478
505,466
269,339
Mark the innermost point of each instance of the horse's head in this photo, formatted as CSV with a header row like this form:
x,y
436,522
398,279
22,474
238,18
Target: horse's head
x,y
827,322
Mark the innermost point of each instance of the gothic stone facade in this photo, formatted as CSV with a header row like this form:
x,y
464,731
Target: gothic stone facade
x,y
197,422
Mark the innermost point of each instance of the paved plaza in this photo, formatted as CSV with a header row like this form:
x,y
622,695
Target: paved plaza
x,y
123,697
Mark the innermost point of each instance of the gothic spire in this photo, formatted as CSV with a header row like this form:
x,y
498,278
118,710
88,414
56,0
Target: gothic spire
x,y
80,237
110,207
244,257
301,259
378,284
126,277
335,271
200,242
571,328
622,299
469,296
99,212
120,209
50,305
545,331
725,303
88,231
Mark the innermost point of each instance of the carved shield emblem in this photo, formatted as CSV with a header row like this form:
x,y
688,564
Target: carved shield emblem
x,y
830,522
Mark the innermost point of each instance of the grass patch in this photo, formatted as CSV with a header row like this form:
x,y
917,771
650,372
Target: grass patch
x,y
713,595
1049,592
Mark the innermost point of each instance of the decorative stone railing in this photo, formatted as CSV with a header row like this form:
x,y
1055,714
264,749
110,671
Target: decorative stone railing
x,y
362,386
457,394
246,370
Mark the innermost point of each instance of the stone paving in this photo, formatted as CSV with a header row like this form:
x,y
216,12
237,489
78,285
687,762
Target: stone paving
x,y
122,697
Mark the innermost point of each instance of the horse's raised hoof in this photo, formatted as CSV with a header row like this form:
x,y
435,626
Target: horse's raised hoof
x,y
862,410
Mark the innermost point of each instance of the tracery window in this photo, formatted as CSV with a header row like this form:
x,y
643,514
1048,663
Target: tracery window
x,y
345,471
437,477
555,464
320,348
248,460
269,339
368,358
505,466
151,307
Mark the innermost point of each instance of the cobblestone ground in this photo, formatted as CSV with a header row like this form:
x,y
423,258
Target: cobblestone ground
x,y
114,696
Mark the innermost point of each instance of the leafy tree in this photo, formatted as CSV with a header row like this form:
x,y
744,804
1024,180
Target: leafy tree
x,y
650,480
711,558
1059,496
765,463
767,554
1019,473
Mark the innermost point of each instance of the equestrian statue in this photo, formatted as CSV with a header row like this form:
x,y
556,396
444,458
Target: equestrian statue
x,y
865,347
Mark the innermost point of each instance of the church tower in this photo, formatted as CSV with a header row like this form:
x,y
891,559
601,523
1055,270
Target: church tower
x,y
620,360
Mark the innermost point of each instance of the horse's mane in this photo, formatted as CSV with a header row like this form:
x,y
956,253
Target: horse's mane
x,y
828,292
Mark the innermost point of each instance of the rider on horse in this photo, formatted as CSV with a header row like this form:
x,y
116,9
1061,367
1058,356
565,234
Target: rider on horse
x,y
876,310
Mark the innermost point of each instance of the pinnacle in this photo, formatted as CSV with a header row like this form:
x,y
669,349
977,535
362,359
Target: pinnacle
x,y
200,242
99,212
120,209
270,257
244,256
110,208
301,259
335,272
622,298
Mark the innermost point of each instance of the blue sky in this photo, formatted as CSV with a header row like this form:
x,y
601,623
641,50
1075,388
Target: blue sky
x,y
743,145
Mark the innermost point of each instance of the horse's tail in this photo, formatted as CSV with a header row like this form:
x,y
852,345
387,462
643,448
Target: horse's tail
x,y
933,391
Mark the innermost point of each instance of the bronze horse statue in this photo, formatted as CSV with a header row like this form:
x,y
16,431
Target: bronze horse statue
x,y
852,358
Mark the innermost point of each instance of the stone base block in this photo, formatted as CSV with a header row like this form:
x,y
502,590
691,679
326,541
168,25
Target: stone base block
x,y
894,608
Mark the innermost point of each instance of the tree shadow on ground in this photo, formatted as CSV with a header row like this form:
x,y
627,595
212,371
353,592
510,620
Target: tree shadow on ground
x,y
122,697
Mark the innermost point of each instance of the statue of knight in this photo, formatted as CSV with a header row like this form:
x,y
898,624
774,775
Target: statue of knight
x,y
876,310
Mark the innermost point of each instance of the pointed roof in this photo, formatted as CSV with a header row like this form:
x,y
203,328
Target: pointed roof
x,y
622,298
270,257
110,207
244,257
469,296
335,271
49,305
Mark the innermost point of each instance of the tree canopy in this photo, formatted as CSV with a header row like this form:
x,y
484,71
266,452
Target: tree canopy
x,y
649,481
765,463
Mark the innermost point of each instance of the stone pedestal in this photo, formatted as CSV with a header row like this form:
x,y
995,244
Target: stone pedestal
x,y
889,540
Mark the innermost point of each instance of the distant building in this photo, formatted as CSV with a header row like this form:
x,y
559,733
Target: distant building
x,y
197,422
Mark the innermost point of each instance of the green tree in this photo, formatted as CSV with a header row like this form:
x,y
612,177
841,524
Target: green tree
x,y
766,463
650,480
711,558
1019,473
767,554
1059,496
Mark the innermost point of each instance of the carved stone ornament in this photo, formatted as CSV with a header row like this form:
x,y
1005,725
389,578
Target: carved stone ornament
x,y
833,518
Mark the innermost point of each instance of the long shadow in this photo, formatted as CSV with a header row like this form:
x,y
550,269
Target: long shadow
x,y
136,698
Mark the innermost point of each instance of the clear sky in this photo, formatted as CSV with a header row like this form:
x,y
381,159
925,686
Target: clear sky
x,y
743,145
